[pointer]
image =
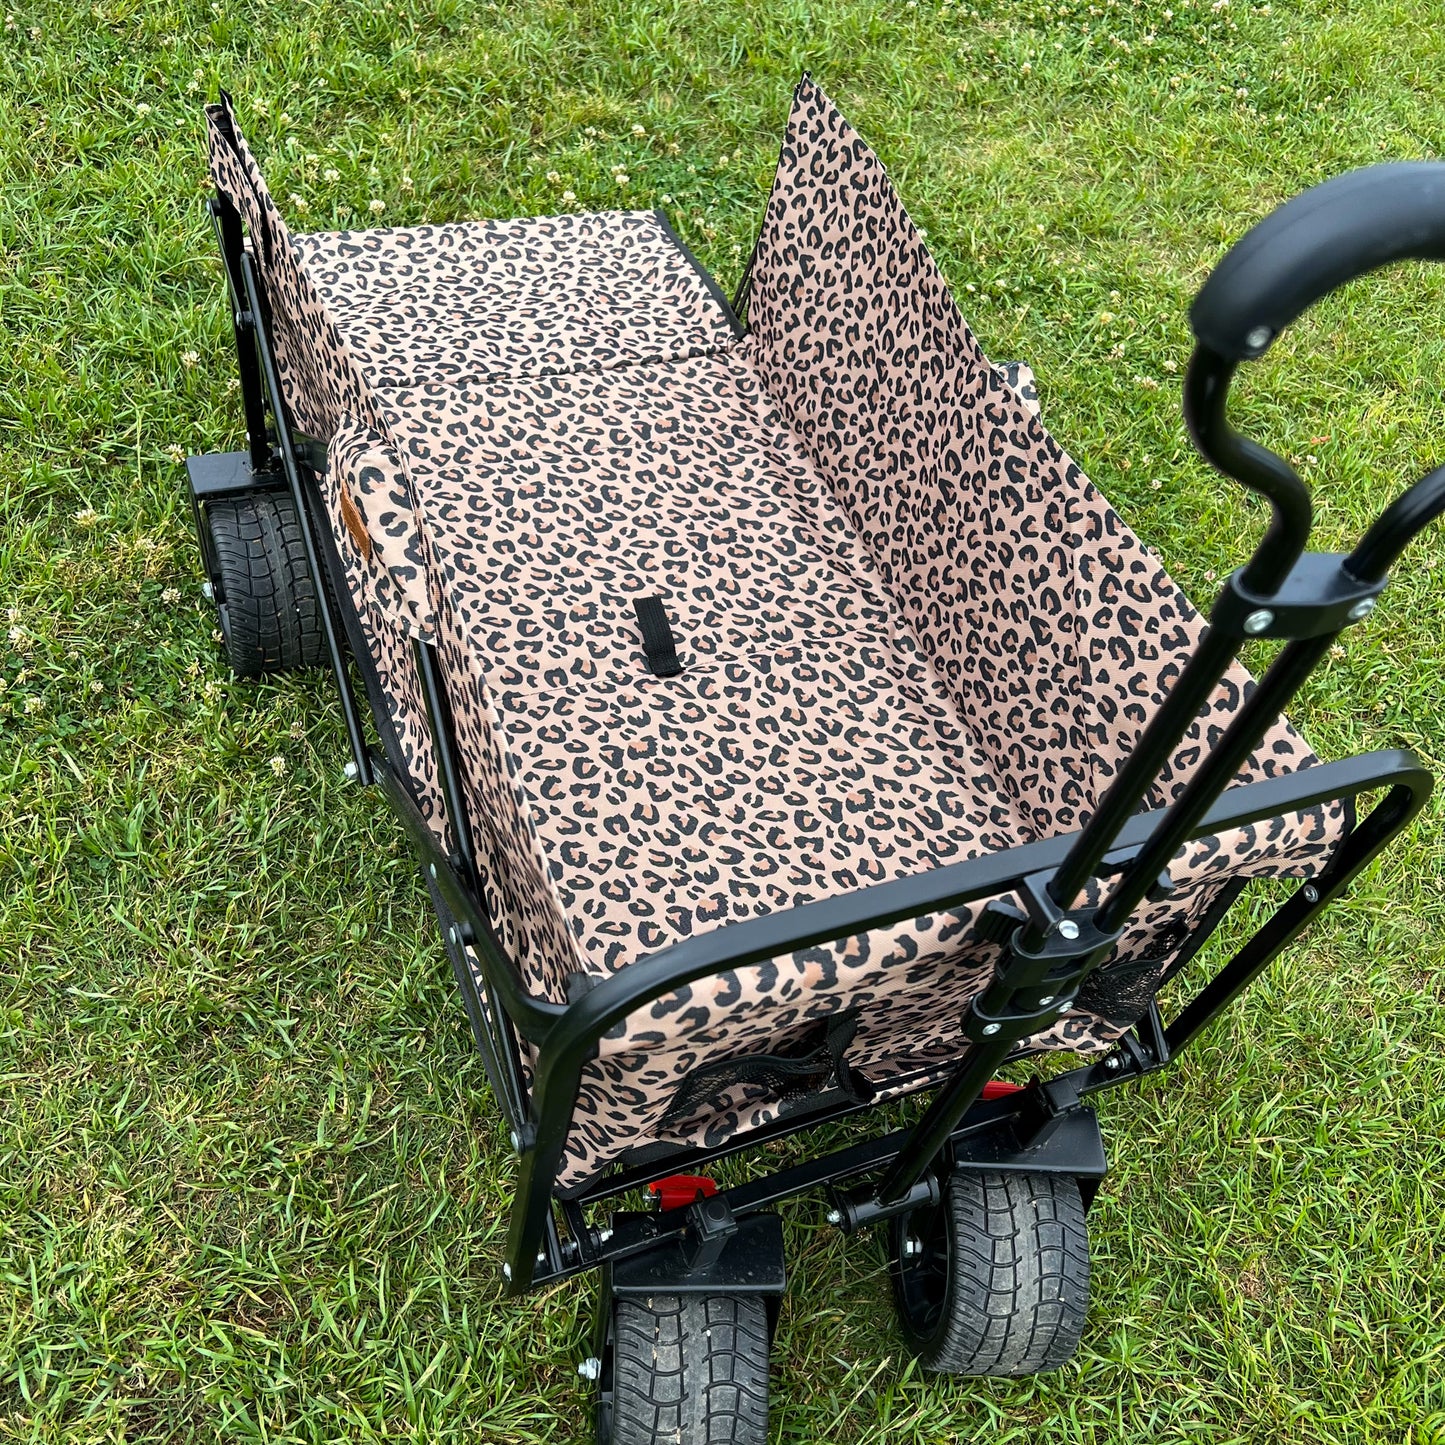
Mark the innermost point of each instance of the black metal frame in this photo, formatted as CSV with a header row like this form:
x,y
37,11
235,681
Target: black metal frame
x,y
1048,949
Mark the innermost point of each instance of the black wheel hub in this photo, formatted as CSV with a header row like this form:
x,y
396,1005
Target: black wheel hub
x,y
919,1253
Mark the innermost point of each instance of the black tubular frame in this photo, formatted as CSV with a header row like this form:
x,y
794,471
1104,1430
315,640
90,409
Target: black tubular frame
x,y
1048,948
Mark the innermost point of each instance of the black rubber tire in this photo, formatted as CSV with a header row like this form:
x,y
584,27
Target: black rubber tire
x,y
686,1369
270,613
1000,1285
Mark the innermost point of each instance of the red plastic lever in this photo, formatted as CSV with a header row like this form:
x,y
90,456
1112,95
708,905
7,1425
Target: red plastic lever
x,y
997,1089
679,1190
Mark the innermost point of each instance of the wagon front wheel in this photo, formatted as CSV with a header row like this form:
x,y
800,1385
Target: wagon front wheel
x,y
689,1369
266,596
994,1278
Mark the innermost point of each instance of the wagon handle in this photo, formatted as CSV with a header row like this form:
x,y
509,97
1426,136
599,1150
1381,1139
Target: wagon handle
x,y
1314,244
1320,240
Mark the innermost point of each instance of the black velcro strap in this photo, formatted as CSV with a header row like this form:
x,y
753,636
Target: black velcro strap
x,y
791,1078
658,643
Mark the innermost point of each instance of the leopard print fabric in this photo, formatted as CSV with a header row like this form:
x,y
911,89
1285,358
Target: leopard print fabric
x,y
911,631
471,302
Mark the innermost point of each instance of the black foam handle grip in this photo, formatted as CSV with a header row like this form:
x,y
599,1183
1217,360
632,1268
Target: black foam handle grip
x,y
1322,238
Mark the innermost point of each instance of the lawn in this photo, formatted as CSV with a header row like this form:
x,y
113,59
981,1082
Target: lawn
x,y
252,1185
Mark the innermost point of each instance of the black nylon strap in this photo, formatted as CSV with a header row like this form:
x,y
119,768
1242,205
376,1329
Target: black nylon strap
x,y
658,643
790,1078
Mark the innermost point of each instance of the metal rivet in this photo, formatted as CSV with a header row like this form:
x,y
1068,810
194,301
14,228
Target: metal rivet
x,y
1312,894
1046,1000
432,869
207,591
604,1236
351,772
912,1248
590,1369
452,934
1258,621
506,1271
834,1217
990,1029
1067,928
1362,608
515,1137
1258,338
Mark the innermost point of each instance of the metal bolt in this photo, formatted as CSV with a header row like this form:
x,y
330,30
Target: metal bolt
x,y
507,1272
1112,1063
1258,338
912,1248
350,772
1066,928
990,1029
604,1236
1361,609
515,1137
1066,1005
1312,894
1047,999
834,1217
1258,621
432,869
590,1368
452,934
208,592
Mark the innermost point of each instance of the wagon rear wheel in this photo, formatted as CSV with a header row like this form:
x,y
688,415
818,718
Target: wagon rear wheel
x,y
688,1369
267,598
994,1279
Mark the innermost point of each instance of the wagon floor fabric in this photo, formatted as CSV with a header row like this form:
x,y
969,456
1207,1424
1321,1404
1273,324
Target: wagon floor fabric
x,y
479,299
807,749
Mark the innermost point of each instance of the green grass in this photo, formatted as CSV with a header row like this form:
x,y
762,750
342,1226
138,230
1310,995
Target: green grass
x,y
251,1182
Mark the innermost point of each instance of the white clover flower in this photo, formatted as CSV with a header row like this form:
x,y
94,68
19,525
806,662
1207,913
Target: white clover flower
x,y
1171,365
330,176
554,178
1155,485
233,384
278,766
190,358
18,636
1211,575
622,178
176,453
87,516
97,686
569,196
283,119
299,204
259,106
639,130
376,207
192,86
407,184
1147,382
590,130
665,199
142,109
171,596
10,24
34,703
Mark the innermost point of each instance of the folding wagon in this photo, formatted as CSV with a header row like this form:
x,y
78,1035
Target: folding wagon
x,y
785,724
